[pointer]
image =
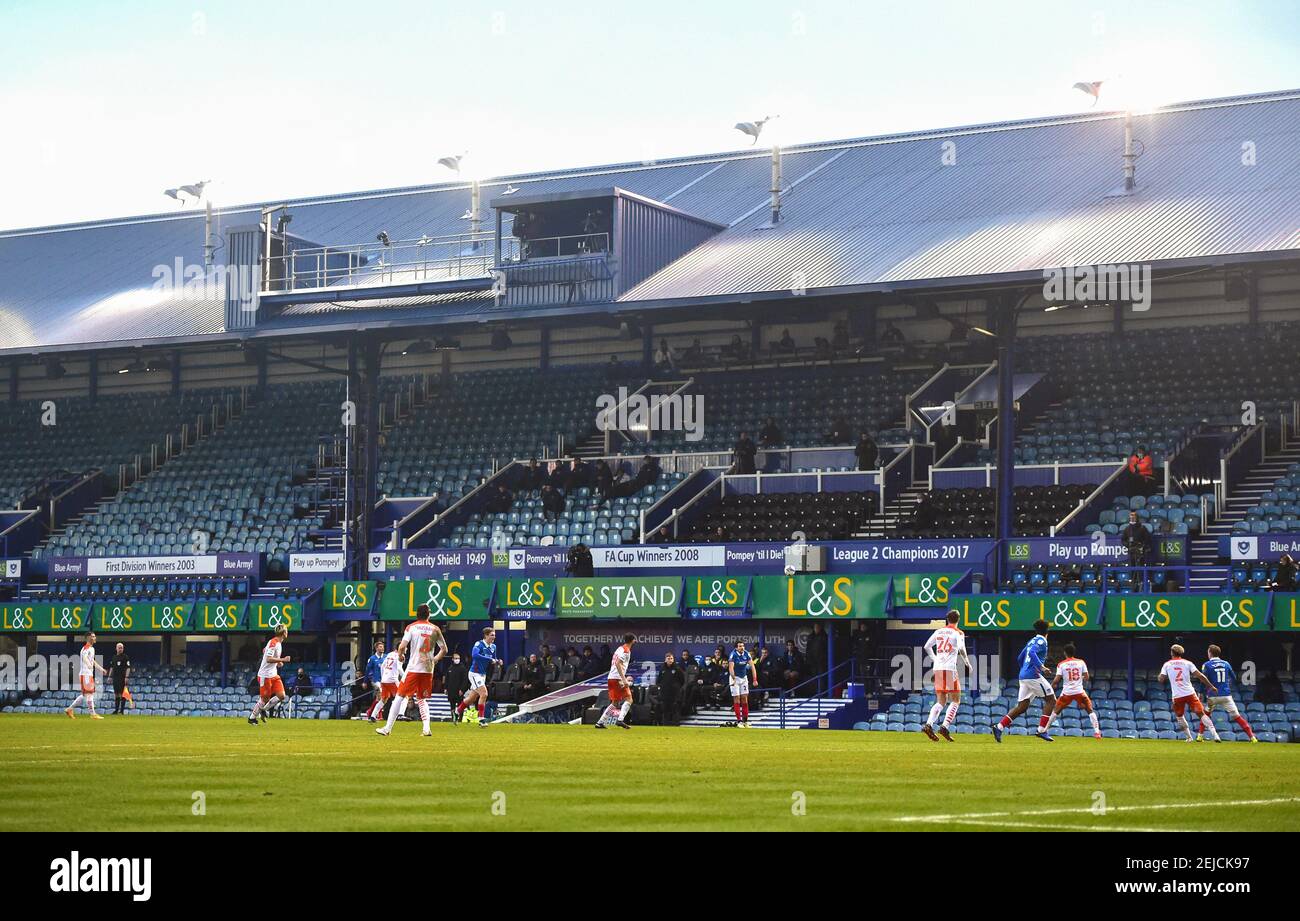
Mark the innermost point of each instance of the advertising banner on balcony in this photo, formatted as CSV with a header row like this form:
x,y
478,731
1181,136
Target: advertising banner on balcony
x,y
925,589
1017,613
128,567
142,617
64,617
711,597
1178,612
220,616
1095,550
265,616
525,599
640,597
823,596
1267,548
448,599
352,597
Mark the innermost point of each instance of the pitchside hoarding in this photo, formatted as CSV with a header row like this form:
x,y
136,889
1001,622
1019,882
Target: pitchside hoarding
x,y
1019,612
525,598
925,589
448,599
710,597
151,617
831,597
351,597
1179,613
631,597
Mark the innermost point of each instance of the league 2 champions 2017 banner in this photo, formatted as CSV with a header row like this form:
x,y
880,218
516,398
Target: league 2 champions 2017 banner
x,y
644,597
1019,612
822,596
1178,612
448,599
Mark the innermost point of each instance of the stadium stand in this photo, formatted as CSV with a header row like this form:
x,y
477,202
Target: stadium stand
x,y
250,487
101,434
969,512
775,517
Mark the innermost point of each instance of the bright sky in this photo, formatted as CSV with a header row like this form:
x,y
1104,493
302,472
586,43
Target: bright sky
x,y
105,105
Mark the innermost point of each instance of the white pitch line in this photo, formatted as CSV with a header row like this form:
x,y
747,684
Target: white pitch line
x,y
957,817
1064,826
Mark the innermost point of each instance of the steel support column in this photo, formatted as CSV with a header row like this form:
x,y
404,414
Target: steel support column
x,y
1006,333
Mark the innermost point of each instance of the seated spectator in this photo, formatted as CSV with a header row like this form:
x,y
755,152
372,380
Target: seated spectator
x,y
500,501
589,666
821,347
771,436
662,536
737,348
552,502
302,685
580,474
604,482
785,343
664,357
716,680
840,337
559,475
866,452
891,335
613,370
744,452
839,433
647,474
532,679
792,666
695,354
547,659
533,477
1140,471
769,673
671,681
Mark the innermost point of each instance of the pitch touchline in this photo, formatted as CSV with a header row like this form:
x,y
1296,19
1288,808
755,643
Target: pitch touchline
x,y
964,816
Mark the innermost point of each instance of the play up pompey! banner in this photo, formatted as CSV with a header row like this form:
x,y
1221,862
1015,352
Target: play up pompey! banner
x,y
1099,549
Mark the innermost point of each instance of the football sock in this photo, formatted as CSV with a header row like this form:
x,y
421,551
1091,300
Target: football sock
x,y
1182,724
744,713
1051,719
482,709
934,714
257,708
75,703
399,706
950,715
1096,727
1207,725
1042,723
622,711
735,708
1005,721
1245,727
424,713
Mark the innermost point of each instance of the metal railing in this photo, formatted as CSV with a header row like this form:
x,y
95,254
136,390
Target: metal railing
x,y
516,250
444,258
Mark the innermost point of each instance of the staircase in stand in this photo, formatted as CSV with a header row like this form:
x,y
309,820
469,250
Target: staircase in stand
x,y
1207,574
881,526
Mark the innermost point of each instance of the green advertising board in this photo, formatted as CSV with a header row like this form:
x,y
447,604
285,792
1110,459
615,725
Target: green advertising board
x,y
823,596
717,592
142,617
220,616
1286,611
632,597
354,597
520,595
924,589
1018,612
265,616
1179,612
448,599
65,617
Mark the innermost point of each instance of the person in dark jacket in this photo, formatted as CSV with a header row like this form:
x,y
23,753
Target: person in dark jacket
x,y
559,475
532,680
1137,540
589,666
579,475
1286,572
533,476
552,502
769,672
791,664
580,564
671,681
866,452
456,680
693,683
744,452
604,481
501,501
839,433
771,436
119,671
816,650
647,474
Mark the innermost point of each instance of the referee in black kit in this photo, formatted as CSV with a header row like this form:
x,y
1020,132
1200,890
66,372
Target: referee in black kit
x,y
119,670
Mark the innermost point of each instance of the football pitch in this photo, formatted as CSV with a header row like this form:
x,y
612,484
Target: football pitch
x,y
148,773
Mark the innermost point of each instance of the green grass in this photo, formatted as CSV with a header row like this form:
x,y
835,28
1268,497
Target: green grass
x,y
142,773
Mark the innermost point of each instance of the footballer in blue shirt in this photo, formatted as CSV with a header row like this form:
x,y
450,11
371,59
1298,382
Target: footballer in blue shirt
x,y
740,665
1034,683
1223,677
375,673
482,657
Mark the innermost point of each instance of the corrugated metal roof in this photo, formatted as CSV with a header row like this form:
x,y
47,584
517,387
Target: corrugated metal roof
x,y
1021,197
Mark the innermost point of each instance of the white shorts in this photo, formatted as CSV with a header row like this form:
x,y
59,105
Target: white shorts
x,y
476,681
1226,704
1034,687
739,687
